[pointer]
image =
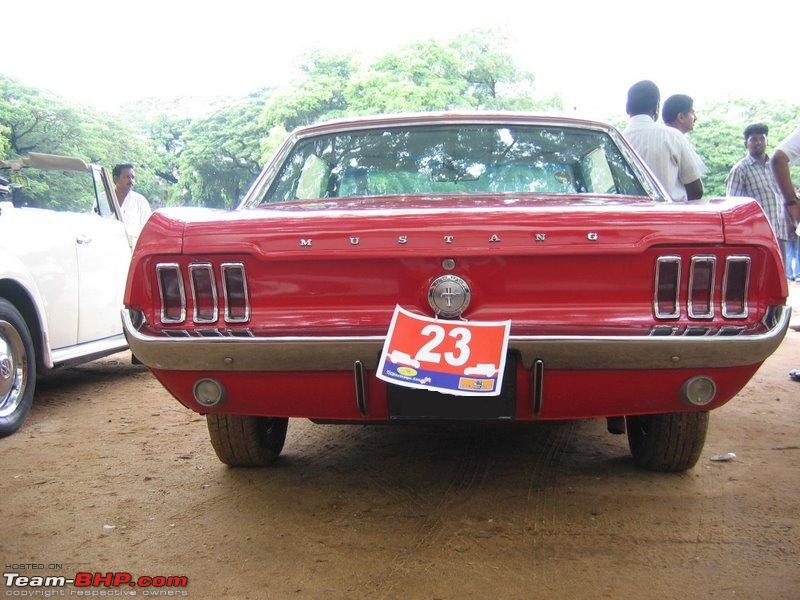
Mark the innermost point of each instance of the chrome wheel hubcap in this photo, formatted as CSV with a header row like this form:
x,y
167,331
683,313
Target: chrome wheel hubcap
x,y
13,369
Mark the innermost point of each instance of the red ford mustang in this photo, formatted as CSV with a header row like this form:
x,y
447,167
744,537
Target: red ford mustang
x,y
621,303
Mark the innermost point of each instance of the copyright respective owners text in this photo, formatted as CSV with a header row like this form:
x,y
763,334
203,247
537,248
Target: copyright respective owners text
x,y
55,579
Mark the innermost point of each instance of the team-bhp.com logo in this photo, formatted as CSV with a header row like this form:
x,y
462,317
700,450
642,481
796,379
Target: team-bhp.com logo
x,y
23,585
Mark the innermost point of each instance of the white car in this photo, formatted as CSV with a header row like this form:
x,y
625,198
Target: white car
x,y
64,255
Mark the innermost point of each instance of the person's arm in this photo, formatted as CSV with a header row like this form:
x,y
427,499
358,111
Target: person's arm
x,y
734,186
780,170
694,190
689,169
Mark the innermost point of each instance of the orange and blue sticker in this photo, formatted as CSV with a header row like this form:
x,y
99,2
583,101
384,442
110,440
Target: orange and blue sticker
x,y
462,358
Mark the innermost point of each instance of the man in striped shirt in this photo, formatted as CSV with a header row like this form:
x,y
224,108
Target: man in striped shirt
x,y
752,177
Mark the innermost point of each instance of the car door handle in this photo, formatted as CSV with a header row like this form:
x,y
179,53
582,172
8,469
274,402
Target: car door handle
x,y
83,239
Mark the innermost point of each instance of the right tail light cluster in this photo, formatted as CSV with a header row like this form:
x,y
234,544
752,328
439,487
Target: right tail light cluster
x,y
700,302
203,288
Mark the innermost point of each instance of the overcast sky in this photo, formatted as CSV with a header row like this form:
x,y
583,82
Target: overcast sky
x,y
104,53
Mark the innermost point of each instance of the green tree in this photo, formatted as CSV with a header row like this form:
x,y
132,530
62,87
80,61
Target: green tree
x,y
718,135
4,141
221,153
36,121
318,93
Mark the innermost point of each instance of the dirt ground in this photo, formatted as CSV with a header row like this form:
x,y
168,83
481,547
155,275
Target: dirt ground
x,y
111,474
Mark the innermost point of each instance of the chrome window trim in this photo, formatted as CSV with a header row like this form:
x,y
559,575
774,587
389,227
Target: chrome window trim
x,y
695,260
171,267
266,177
746,306
205,266
224,267
677,313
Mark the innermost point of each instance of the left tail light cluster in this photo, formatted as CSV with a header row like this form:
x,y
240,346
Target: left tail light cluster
x,y
202,278
701,288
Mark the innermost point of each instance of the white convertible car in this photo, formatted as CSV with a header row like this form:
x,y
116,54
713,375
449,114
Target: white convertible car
x,y
64,255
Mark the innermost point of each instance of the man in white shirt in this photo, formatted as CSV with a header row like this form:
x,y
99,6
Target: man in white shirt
x,y
665,150
678,113
135,207
786,154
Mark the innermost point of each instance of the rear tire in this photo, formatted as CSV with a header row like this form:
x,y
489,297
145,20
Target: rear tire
x,y
667,442
17,369
245,441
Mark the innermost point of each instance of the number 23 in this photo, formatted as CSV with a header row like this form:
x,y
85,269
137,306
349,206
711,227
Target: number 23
x,y
436,332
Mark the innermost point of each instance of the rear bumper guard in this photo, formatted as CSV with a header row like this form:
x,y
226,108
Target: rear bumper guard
x,y
340,353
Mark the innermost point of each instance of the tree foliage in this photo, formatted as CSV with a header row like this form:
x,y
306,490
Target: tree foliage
x,y
209,155
32,120
221,153
719,134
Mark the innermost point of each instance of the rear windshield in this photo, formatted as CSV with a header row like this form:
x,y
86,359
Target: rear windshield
x,y
453,159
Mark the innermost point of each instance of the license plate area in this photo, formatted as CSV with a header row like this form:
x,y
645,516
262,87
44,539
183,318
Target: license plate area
x,y
413,404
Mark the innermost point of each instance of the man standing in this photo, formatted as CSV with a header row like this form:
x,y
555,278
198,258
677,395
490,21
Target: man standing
x,y
134,207
785,155
678,113
665,150
752,177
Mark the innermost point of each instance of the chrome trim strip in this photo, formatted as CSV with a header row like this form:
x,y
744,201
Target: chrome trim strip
x,y
731,330
171,267
728,262
663,330
87,351
677,312
293,353
698,330
205,266
266,177
695,261
227,266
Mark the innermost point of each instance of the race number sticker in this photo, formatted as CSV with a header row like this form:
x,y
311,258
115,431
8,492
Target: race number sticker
x,y
462,358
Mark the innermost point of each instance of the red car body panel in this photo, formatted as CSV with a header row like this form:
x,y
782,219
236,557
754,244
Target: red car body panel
x,y
568,394
566,266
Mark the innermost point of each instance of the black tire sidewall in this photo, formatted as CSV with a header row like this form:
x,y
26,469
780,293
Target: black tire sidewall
x,y
14,421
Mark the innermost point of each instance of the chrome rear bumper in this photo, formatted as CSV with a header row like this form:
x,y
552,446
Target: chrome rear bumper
x,y
338,353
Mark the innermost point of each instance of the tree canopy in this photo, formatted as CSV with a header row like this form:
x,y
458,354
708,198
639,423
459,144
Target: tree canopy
x,y
211,157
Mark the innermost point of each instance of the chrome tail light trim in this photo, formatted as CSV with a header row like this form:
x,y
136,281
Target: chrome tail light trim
x,y
207,269
231,267
731,263
699,262
163,269
661,265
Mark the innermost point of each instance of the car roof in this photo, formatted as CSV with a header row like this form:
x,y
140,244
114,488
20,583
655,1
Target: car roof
x,y
434,118
45,162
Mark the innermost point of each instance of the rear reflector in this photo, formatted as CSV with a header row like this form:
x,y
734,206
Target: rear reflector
x,y
237,306
699,390
734,287
701,287
204,292
173,298
668,277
